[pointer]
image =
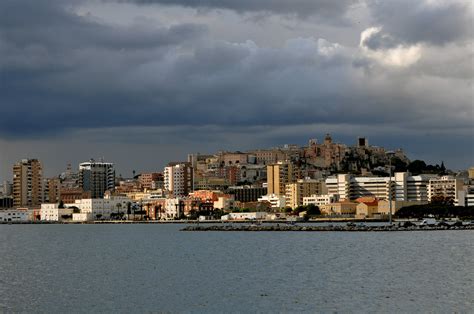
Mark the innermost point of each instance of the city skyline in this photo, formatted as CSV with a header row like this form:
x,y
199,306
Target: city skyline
x,y
141,83
55,167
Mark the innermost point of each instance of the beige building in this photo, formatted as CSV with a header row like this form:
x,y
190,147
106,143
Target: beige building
x,y
342,208
27,183
384,206
471,173
366,209
296,191
320,200
278,176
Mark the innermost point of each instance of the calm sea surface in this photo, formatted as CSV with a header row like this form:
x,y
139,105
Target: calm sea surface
x,y
157,268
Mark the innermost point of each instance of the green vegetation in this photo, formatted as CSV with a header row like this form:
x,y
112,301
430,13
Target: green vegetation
x,y
419,166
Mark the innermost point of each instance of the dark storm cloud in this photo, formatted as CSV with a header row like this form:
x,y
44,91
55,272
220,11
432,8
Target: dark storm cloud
x,y
322,8
432,22
64,71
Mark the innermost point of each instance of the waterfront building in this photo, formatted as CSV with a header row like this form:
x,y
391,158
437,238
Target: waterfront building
x,y
178,178
96,177
17,215
320,200
296,191
99,208
27,183
342,208
245,216
366,208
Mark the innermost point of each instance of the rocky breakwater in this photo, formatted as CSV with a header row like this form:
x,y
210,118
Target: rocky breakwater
x,y
347,228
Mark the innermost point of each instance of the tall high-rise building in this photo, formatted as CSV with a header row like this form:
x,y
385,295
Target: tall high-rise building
x,y
278,175
96,177
27,183
51,190
178,178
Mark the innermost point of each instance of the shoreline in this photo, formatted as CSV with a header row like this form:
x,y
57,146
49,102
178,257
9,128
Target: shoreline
x,y
298,228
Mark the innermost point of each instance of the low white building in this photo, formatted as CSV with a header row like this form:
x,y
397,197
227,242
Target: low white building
x,y
320,200
86,209
81,217
52,212
16,215
245,216
172,208
276,201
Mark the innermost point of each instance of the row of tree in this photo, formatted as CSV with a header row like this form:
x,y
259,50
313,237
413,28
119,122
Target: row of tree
x,y
436,210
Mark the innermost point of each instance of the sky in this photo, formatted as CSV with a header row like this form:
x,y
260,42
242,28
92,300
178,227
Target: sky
x,y
143,82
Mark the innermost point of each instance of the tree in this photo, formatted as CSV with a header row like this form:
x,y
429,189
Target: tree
x,y
61,204
313,210
416,167
129,208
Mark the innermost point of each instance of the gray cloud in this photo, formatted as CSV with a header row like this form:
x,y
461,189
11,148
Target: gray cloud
x,y
66,74
432,22
322,8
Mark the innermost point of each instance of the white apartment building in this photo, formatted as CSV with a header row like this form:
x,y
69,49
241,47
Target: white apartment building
x,y
178,179
446,186
276,201
403,186
320,200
